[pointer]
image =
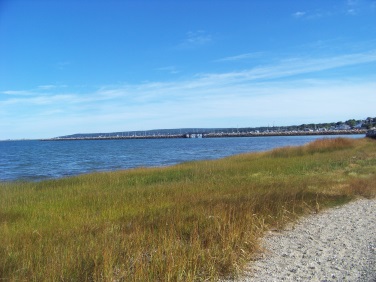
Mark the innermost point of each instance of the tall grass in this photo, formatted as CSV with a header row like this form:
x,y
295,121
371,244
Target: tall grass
x,y
190,222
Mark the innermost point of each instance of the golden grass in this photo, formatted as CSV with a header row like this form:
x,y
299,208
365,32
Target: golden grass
x,y
190,222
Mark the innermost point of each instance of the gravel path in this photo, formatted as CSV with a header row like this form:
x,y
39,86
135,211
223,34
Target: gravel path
x,y
335,245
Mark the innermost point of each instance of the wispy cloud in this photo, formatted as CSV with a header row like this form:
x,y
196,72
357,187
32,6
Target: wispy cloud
x,y
47,87
195,39
148,91
352,7
33,92
16,92
347,8
63,65
314,15
251,97
241,57
298,14
169,69
357,7
373,5
293,66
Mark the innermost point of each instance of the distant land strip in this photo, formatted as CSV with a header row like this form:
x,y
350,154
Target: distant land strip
x,y
350,126
199,134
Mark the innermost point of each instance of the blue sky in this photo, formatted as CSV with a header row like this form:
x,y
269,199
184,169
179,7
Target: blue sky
x,y
100,66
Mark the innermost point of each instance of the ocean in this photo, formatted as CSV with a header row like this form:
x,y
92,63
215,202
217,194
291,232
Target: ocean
x,y
39,160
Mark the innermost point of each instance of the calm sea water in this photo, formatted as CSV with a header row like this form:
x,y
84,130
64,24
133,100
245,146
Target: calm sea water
x,y
37,160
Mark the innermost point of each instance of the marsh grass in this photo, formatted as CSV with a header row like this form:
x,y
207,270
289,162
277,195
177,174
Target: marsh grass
x,y
190,222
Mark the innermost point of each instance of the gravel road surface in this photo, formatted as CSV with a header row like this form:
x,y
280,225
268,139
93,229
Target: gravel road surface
x,y
337,244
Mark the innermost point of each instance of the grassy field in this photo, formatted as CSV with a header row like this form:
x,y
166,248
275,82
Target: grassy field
x,y
190,222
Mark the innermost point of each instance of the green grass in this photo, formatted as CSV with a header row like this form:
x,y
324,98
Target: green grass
x,y
190,222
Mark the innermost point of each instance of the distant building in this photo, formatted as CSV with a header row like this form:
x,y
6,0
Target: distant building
x,y
193,135
343,127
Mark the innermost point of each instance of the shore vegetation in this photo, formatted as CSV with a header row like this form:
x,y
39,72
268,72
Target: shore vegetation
x,y
194,221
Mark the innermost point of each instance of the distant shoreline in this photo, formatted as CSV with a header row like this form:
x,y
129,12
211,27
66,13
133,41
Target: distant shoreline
x,y
215,135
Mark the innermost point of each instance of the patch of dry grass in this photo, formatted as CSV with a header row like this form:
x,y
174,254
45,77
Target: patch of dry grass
x,y
190,222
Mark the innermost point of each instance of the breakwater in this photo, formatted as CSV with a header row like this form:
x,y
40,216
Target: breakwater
x,y
215,135
285,133
167,136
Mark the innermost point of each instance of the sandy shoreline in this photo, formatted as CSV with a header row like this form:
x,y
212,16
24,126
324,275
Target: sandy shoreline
x,y
338,244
